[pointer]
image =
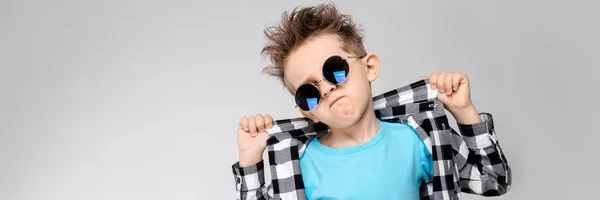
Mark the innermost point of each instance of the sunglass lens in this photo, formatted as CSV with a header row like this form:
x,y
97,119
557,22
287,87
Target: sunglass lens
x,y
307,97
335,69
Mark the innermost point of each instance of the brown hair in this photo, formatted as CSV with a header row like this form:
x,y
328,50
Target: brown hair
x,y
301,24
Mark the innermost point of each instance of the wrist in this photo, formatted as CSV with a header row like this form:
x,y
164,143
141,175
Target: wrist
x,y
249,158
466,115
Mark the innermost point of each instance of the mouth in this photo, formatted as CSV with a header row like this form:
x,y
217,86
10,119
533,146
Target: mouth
x,y
335,101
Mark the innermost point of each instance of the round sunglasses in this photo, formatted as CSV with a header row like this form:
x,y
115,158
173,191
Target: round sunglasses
x,y
335,71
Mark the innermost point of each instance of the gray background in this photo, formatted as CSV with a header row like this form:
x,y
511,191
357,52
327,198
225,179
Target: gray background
x,y
141,99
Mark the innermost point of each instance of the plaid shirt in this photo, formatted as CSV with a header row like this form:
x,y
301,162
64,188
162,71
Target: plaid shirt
x,y
470,162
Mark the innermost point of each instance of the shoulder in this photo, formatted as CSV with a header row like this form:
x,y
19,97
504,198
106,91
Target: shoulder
x,y
310,148
401,131
397,127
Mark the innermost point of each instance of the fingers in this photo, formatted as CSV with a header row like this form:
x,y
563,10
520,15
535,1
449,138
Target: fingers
x,y
445,82
456,81
433,80
254,125
448,83
244,123
260,123
440,82
268,121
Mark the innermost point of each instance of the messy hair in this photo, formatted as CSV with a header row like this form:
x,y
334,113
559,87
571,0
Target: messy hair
x,y
301,24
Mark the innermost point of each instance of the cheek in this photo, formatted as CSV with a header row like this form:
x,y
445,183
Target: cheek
x,y
358,75
358,89
357,84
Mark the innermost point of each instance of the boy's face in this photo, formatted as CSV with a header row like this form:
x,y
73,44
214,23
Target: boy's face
x,y
304,65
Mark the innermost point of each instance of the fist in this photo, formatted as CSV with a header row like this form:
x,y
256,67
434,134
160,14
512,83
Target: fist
x,y
252,138
453,89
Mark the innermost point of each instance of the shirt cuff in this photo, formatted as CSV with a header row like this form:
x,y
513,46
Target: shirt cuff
x,y
479,135
248,178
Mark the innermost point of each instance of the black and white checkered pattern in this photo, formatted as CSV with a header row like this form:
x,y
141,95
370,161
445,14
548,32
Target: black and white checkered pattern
x,y
470,162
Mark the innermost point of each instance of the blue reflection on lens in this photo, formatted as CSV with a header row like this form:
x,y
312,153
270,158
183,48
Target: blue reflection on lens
x,y
312,103
339,76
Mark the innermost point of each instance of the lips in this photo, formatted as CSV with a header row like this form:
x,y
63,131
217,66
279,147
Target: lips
x,y
335,101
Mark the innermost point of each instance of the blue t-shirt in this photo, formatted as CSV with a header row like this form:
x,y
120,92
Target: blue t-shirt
x,y
389,166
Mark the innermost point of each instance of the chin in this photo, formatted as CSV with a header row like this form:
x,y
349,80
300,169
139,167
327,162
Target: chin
x,y
346,118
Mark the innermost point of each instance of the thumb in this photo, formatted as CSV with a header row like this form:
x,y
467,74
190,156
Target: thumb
x,y
423,77
442,97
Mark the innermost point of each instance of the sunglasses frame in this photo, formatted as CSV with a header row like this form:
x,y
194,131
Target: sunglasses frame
x,y
315,84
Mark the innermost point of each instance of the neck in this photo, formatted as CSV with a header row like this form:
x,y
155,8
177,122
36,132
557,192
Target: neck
x,y
362,131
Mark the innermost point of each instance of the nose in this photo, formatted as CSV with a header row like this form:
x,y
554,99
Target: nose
x,y
326,88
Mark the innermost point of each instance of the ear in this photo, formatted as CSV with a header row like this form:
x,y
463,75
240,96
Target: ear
x,y
307,114
372,67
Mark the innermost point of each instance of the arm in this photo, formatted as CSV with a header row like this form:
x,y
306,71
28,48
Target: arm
x,y
250,182
249,171
483,168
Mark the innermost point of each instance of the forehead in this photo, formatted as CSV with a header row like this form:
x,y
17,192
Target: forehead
x,y
305,62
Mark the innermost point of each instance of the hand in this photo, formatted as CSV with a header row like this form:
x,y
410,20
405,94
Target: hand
x,y
252,138
453,89
454,92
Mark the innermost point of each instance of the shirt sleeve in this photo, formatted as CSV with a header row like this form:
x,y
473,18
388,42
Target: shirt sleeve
x,y
250,182
483,168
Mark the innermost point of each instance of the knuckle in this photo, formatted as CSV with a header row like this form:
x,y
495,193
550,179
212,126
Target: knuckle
x,y
269,123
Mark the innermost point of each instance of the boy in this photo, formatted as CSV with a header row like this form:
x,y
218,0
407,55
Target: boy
x,y
318,55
